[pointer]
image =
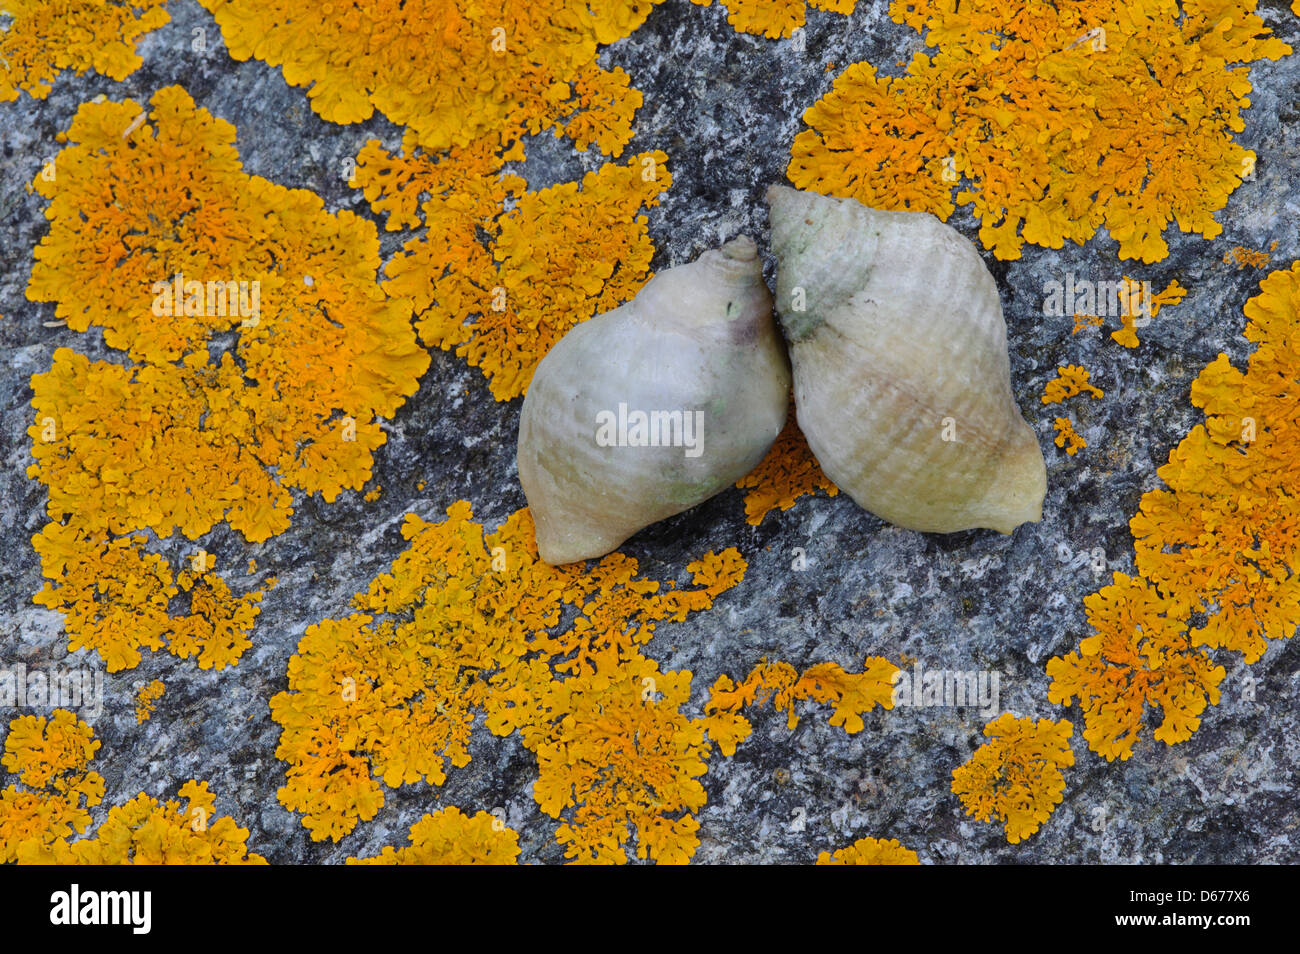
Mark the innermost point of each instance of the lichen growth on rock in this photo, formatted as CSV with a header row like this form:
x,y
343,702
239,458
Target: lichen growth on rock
x,y
52,760
1136,97
774,18
45,37
1015,777
159,238
557,257
1140,654
1071,379
787,472
146,700
1218,541
452,71
1066,437
850,694
471,624
871,851
450,837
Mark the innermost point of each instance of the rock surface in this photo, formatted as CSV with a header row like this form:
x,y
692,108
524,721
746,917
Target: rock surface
x,y
725,107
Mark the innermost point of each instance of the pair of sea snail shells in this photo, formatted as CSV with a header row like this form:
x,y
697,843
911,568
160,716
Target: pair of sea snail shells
x,y
902,384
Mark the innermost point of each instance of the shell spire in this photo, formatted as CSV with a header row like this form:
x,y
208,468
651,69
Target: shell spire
x,y
654,407
901,375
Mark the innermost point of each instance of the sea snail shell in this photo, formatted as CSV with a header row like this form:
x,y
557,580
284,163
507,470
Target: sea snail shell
x,y
901,375
654,407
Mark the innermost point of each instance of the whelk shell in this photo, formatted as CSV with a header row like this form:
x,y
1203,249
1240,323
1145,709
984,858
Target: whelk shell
x,y
901,376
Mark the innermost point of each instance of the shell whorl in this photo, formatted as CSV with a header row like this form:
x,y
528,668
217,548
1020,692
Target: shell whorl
x,y
721,293
812,283
699,339
897,338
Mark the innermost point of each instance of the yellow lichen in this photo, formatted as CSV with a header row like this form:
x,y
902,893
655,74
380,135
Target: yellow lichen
x,y
44,37
1220,540
1082,321
183,438
1071,379
1133,301
1061,118
144,831
52,757
850,694
1223,533
472,624
786,473
1015,778
774,18
1065,433
1172,295
1127,334
557,257
51,754
453,71
449,837
1140,655
1132,295
1247,258
871,851
146,700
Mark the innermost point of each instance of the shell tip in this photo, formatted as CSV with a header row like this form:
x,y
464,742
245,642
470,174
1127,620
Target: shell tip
x,y
788,213
777,193
740,249
1021,487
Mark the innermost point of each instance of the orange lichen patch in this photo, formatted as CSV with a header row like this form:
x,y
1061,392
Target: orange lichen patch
x,y
850,694
44,37
51,758
373,494
1134,96
450,837
54,756
1221,541
787,473
1065,433
1016,777
1085,321
559,256
472,623
1246,258
1139,655
613,747
1132,295
1127,334
146,700
1224,533
453,71
1173,294
217,626
1071,379
184,438
144,831
871,851
774,18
